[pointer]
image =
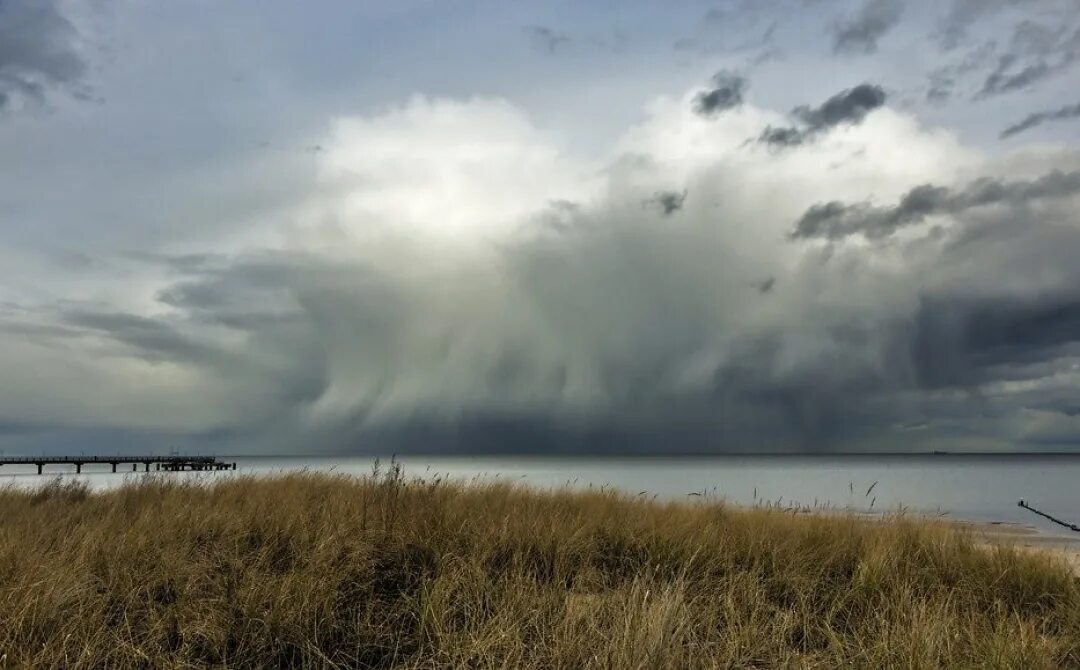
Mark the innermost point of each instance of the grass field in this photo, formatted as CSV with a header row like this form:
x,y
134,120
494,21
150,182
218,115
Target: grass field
x,y
384,571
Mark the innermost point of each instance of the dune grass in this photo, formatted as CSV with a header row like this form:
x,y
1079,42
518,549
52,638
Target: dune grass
x,y
383,571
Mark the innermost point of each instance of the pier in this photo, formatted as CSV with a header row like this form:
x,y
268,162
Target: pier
x,y
160,463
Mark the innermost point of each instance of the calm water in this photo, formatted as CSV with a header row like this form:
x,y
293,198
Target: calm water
x,y
966,487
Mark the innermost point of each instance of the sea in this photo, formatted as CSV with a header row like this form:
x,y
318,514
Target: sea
x,y
976,487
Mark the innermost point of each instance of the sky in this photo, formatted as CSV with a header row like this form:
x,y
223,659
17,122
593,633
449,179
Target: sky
x,y
562,227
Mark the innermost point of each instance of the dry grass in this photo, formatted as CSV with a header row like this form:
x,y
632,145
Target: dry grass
x,y
318,570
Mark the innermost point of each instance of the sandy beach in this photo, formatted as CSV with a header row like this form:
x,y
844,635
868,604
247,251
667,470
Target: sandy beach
x,y
1065,544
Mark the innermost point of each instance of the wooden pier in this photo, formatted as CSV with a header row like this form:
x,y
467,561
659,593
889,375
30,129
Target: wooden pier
x,y
160,463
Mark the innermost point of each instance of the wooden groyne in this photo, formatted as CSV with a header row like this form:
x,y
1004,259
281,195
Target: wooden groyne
x,y
160,463
1070,526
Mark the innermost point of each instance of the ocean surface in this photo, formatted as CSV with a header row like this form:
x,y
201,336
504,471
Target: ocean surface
x,y
973,487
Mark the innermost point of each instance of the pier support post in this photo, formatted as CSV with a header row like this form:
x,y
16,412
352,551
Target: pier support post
x,y
148,466
134,467
114,467
39,467
78,468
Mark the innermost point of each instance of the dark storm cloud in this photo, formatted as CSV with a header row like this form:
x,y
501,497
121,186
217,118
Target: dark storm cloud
x,y
835,220
1025,331
961,341
1039,118
37,51
546,39
960,336
949,342
727,93
860,33
748,406
536,433
849,107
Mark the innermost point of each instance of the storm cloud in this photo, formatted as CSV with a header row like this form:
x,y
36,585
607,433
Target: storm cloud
x,y
607,333
496,250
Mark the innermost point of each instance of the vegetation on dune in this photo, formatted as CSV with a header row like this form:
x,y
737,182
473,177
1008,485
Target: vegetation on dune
x,y
382,571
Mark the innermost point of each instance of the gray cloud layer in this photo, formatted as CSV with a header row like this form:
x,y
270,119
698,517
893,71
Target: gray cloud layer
x,y
1036,52
669,202
860,33
835,220
1039,118
37,51
962,15
545,38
